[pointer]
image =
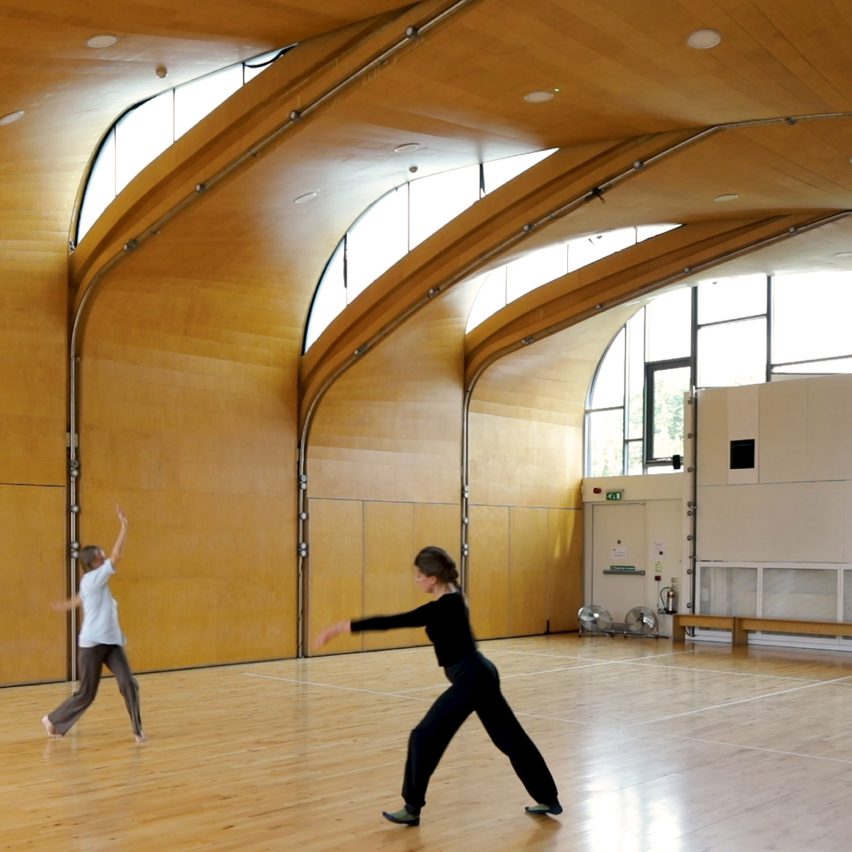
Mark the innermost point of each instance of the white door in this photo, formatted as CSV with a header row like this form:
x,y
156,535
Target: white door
x,y
618,557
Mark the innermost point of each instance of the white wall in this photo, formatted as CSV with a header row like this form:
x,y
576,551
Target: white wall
x,y
796,505
776,540
645,529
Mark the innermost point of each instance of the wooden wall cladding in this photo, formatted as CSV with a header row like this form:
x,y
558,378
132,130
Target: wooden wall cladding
x,y
387,438
33,366
335,578
33,638
564,548
33,416
388,571
527,571
523,570
188,419
488,571
390,427
361,564
526,452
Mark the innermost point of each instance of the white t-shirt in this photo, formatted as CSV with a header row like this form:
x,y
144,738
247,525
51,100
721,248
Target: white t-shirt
x,y
100,609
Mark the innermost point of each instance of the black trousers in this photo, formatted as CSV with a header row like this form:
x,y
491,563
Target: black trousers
x,y
475,689
91,662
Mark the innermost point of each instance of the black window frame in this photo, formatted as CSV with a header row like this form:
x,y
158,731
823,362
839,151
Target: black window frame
x,y
651,369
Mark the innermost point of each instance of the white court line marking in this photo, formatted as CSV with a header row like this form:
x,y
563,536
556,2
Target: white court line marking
x,y
591,665
734,674
804,754
586,722
738,701
521,653
332,686
647,660
393,694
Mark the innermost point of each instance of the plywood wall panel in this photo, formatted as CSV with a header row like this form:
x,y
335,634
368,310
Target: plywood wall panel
x,y
33,638
438,524
526,457
336,571
389,572
188,414
564,581
203,580
387,435
488,577
516,461
390,427
528,572
33,366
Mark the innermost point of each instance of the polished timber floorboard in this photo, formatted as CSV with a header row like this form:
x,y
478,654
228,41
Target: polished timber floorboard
x,y
654,747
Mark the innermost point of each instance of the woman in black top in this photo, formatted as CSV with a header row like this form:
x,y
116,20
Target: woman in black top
x,y
475,688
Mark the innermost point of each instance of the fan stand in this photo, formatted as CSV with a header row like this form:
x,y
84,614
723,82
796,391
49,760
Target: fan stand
x,y
639,623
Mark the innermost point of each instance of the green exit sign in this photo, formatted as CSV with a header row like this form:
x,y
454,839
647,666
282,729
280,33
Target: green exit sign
x,y
614,495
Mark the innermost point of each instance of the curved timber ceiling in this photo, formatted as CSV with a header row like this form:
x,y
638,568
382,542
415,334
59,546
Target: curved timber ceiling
x,y
627,82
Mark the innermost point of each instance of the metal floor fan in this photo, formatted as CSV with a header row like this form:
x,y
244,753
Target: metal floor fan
x,y
594,619
641,621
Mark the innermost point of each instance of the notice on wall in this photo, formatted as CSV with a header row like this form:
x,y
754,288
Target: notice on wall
x,y
619,552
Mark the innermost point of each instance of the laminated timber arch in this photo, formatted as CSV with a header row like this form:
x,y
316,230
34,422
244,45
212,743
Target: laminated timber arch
x,y
139,233
632,273
560,196
188,333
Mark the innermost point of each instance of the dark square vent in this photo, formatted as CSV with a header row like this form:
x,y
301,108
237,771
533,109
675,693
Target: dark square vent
x,y
742,454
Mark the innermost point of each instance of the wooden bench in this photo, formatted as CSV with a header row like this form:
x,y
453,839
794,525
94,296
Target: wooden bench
x,y
681,621
744,624
741,626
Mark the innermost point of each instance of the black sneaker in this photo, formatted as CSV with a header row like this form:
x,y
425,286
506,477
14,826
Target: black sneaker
x,y
554,809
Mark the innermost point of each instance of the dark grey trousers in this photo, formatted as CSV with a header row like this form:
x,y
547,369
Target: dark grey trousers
x,y
92,661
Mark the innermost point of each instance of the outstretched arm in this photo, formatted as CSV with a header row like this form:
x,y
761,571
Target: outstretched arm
x,y
64,606
118,547
416,618
332,631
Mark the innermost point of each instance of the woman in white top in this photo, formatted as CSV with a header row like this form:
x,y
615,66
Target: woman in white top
x,y
100,642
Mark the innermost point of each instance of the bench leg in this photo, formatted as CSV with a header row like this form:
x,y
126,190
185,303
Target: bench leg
x,y
739,637
678,631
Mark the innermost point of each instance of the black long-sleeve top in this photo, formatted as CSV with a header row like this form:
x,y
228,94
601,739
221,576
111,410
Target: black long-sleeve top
x,y
445,619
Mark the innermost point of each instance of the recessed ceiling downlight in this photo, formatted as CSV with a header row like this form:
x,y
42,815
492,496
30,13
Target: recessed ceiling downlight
x,y
704,39
100,41
11,117
728,196
407,148
538,97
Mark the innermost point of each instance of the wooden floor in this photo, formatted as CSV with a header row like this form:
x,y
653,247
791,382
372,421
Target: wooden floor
x,y
654,747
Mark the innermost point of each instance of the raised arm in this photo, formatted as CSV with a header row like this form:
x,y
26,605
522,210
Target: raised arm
x,y
118,547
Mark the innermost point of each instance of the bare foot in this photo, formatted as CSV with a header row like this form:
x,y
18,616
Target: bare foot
x,y
140,737
50,728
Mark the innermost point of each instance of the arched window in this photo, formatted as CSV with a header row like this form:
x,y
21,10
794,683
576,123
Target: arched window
x,y
717,333
143,131
501,286
395,224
